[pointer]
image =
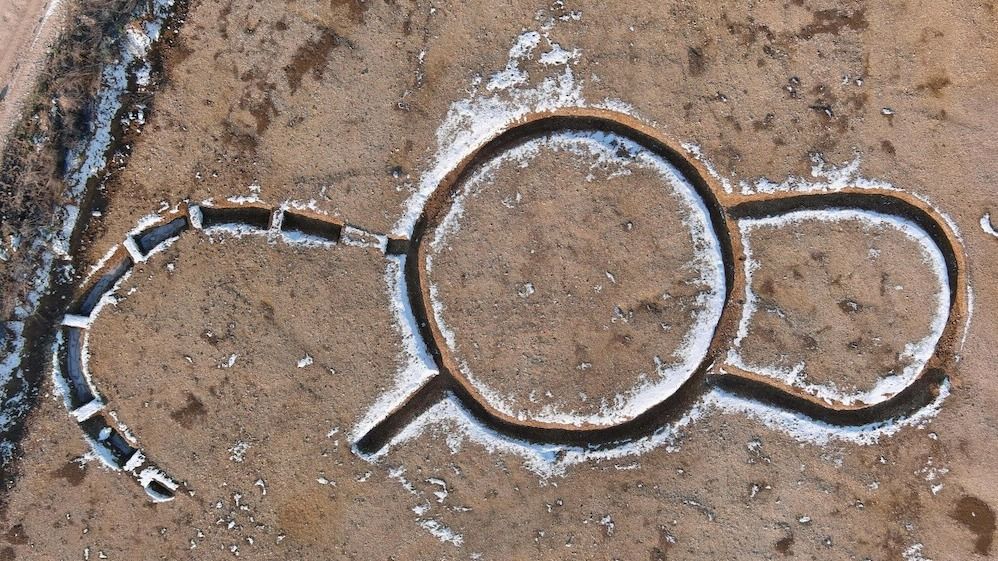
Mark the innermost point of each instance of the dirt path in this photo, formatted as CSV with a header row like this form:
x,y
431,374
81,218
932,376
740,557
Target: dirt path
x,y
28,27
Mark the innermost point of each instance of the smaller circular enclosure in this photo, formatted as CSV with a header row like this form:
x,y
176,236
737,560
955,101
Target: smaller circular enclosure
x,y
570,275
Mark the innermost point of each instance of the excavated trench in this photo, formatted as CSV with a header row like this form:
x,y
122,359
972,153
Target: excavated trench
x,y
725,210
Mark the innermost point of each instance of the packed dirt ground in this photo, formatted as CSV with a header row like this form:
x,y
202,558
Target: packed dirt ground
x,y
244,364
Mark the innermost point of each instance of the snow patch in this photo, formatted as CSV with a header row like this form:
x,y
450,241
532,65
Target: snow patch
x,y
507,97
152,474
415,365
986,225
448,418
806,429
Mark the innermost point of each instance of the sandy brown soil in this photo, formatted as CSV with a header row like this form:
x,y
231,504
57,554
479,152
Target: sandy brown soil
x,y
340,103
27,28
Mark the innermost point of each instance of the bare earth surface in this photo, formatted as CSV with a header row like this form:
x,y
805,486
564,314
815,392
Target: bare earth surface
x,y
27,27
243,366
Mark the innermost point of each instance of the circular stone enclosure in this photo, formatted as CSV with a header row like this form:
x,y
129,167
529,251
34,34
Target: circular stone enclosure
x,y
576,276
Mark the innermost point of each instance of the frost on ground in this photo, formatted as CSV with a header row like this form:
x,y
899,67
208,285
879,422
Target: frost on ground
x,y
415,365
914,553
450,420
986,225
506,96
436,528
